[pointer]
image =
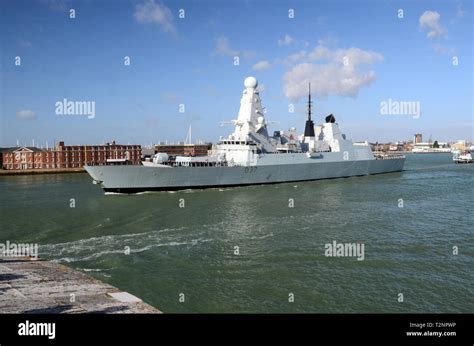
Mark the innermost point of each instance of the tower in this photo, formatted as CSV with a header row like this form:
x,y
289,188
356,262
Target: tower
x,y
417,138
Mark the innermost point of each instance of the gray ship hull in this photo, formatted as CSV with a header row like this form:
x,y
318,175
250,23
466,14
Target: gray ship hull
x,y
132,179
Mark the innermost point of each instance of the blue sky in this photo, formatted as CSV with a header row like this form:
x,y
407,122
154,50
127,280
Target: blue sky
x,y
190,61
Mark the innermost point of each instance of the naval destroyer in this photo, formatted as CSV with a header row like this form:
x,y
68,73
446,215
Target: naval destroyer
x,y
250,156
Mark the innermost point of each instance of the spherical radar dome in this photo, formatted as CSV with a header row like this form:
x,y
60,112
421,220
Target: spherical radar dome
x,y
251,82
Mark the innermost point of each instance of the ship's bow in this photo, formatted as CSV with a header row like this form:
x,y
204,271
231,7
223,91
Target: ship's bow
x,y
95,173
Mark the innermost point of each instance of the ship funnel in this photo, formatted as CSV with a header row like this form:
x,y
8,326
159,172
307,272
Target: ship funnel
x,y
330,119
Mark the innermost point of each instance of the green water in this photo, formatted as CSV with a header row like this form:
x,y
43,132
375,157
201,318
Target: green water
x,y
190,250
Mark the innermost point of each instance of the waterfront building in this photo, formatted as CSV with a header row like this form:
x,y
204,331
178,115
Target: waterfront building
x,y
418,138
429,145
460,145
69,156
22,158
72,156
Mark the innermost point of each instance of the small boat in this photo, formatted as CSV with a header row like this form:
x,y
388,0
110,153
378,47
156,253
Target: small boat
x,y
462,157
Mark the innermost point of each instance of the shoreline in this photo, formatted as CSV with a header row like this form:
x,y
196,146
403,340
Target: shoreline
x,y
41,171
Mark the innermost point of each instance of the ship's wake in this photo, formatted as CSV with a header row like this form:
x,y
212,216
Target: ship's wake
x,y
95,248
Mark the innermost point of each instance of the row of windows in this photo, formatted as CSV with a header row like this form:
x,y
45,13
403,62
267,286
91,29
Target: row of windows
x,y
25,166
48,158
121,151
30,166
99,149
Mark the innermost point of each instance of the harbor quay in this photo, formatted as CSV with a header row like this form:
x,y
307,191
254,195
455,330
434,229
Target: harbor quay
x,y
36,286
41,171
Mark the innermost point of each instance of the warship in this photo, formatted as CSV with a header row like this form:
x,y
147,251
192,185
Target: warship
x,y
250,156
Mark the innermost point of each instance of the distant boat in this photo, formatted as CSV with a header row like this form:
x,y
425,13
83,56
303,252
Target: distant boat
x,y
462,157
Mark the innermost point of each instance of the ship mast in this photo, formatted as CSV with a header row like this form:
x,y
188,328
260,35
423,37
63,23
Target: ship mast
x,y
309,101
188,139
309,127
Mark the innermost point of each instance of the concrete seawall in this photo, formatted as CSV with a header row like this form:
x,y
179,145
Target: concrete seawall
x,y
38,286
41,171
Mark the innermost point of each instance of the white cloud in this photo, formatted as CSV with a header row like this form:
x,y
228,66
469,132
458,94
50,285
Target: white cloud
x,y
320,53
328,41
150,12
431,21
286,41
326,80
332,72
349,57
292,58
25,114
223,48
261,65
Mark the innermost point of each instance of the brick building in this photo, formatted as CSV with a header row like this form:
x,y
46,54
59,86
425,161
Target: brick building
x,y
417,138
69,156
22,158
